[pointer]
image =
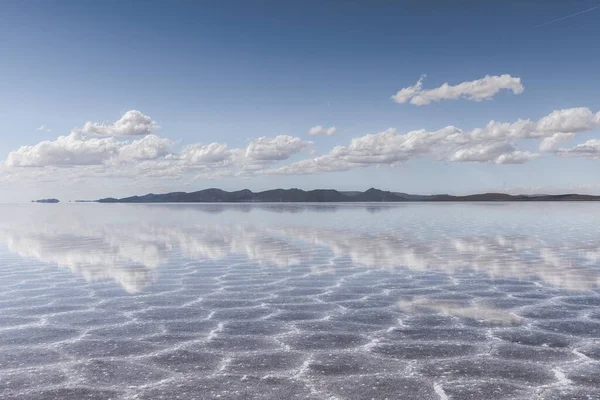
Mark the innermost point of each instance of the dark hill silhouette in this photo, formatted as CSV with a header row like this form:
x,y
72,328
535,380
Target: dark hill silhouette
x,y
520,197
378,195
50,201
214,195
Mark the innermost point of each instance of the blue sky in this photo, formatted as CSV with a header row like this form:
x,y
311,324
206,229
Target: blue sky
x,y
231,72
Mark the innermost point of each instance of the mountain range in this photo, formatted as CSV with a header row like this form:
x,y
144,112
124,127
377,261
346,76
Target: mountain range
x,y
329,196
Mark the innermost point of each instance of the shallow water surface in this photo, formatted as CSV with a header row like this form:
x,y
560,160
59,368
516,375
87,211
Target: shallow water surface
x,y
283,301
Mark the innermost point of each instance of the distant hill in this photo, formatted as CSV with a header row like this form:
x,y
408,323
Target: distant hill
x,y
413,197
520,197
328,196
46,201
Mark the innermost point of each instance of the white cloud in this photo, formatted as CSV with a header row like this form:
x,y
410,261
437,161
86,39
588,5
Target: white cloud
x,y
390,147
591,149
321,130
67,150
406,94
131,123
490,144
497,153
43,128
160,168
312,166
384,148
148,148
516,157
152,156
78,150
145,158
568,120
481,152
205,154
477,90
551,143
279,148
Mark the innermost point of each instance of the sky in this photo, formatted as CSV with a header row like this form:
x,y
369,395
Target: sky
x,y
119,98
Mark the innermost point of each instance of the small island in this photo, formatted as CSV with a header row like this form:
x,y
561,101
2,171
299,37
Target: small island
x,y
50,201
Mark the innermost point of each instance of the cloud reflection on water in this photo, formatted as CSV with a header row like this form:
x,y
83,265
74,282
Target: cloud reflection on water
x,y
101,244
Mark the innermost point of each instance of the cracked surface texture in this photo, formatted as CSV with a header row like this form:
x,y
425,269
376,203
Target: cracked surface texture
x,y
293,301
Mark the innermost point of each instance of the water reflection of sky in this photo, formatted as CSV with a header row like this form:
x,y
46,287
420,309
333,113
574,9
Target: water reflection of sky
x,y
553,244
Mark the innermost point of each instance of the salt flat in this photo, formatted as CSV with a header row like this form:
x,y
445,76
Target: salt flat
x,y
283,301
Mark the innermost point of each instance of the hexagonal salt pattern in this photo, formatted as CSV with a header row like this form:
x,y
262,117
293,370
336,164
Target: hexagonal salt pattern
x,y
390,301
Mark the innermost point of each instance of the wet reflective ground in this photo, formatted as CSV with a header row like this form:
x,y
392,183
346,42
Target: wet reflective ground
x,y
403,301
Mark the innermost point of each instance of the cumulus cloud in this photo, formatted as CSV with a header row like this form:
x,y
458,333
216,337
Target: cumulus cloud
x,y
100,151
206,154
145,158
152,156
217,160
72,149
551,143
78,150
384,148
568,120
132,123
493,143
321,130
591,149
389,147
279,148
148,148
481,152
477,90
497,153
